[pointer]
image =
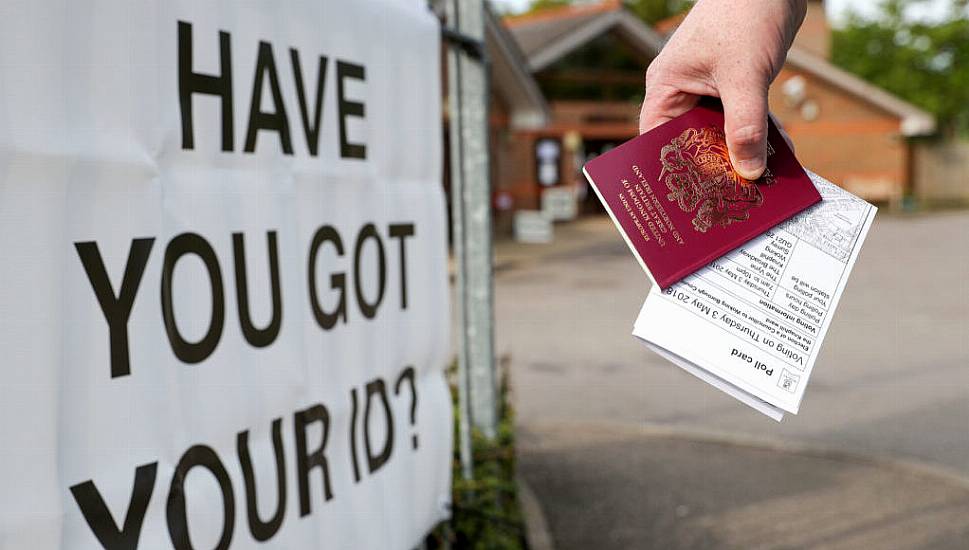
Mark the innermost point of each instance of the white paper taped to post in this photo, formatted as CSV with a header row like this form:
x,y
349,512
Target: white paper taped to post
x,y
223,309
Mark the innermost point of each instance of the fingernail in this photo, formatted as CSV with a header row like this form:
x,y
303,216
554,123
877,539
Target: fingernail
x,y
750,169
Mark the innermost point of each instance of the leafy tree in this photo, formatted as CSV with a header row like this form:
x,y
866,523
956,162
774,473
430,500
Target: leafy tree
x,y
538,5
927,64
650,11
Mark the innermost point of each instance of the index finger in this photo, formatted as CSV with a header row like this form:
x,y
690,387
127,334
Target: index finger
x,y
662,104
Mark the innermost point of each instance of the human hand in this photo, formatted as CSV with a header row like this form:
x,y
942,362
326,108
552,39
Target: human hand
x,y
731,49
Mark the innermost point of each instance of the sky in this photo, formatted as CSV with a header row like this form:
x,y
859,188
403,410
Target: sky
x,y
836,9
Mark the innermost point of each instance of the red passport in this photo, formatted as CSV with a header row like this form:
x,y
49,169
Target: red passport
x,y
678,202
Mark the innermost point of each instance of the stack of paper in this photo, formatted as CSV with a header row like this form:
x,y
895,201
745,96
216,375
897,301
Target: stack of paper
x,y
752,322
747,274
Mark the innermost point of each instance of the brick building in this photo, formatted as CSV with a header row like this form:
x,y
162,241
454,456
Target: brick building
x,y
588,62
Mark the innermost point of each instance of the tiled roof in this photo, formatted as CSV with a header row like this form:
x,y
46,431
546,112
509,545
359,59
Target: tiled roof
x,y
668,25
546,35
562,12
914,121
535,31
512,77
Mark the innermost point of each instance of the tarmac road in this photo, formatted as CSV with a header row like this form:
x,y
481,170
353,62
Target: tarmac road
x,y
892,384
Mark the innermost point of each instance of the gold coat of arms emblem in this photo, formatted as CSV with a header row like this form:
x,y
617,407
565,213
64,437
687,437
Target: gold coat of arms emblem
x,y
698,173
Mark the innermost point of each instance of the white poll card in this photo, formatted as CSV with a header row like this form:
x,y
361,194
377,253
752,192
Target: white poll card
x,y
752,322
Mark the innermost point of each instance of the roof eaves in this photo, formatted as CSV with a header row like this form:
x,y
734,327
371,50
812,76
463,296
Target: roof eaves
x,y
562,45
648,41
914,121
562,12
537,113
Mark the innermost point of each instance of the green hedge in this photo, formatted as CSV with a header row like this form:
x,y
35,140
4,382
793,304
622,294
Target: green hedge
x,y
484,512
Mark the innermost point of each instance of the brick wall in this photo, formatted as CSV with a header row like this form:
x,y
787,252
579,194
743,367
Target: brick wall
x,y
842,138
815,35
941,173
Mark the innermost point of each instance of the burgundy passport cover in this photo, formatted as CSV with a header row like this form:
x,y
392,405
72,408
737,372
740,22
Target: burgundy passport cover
x,y
678,202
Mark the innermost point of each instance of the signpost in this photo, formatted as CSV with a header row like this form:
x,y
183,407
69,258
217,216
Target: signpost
x,y
471,219
224,314
548,161
560,203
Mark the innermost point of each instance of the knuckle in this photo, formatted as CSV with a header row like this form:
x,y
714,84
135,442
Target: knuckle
x,y
656,72
650,78
748,136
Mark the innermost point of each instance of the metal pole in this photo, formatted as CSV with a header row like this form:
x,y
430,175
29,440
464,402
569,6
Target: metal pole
x,y
457,238
471,219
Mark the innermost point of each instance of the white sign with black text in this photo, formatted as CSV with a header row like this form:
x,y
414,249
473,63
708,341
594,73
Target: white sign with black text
x,y
223,309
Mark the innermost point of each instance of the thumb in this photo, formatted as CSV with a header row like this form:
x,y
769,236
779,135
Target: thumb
x,y
745,126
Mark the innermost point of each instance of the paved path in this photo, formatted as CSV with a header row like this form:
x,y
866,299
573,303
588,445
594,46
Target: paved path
x,y
619,488
892,380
